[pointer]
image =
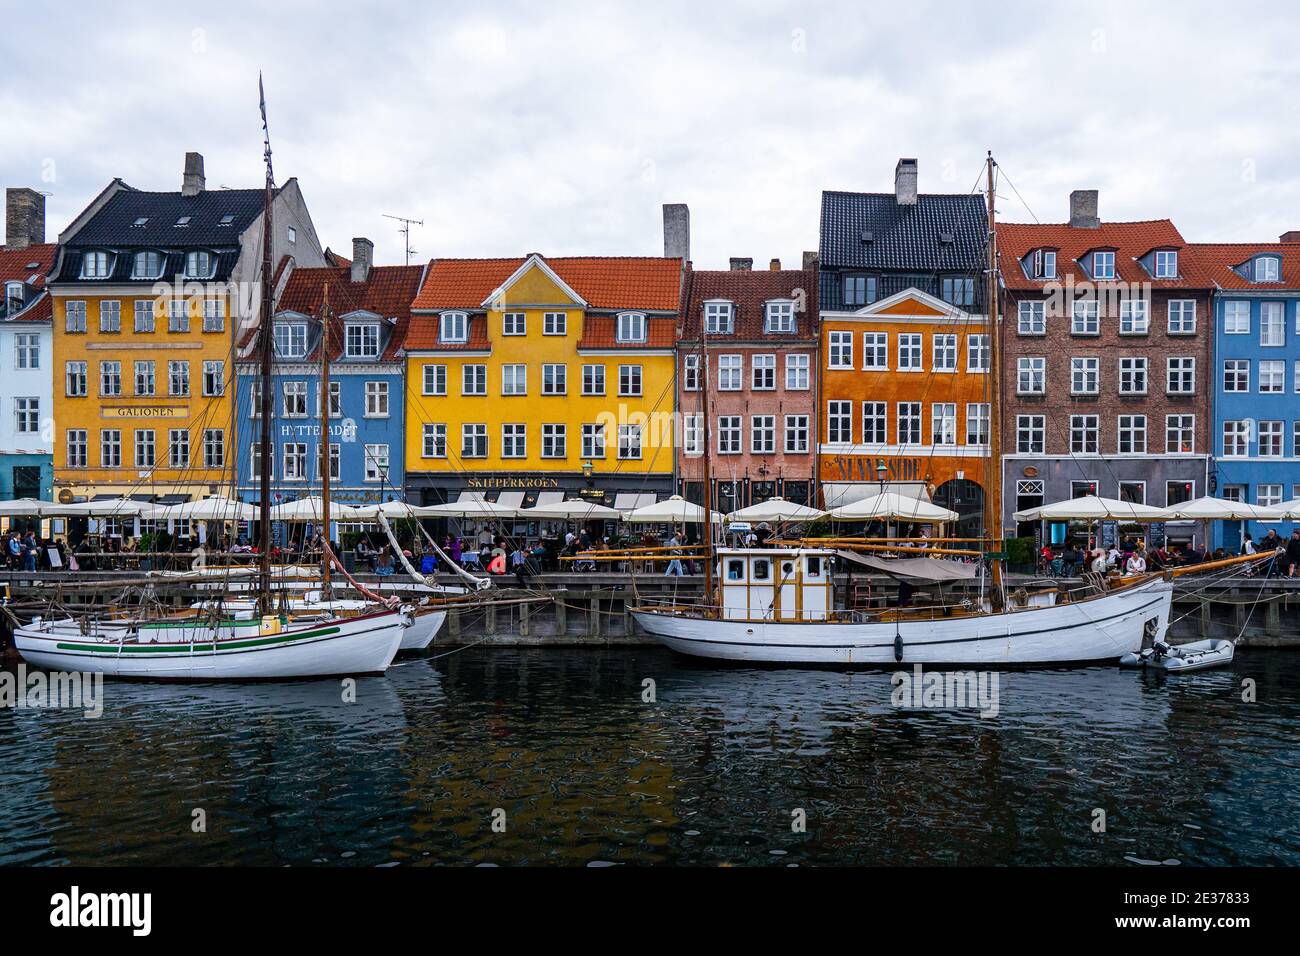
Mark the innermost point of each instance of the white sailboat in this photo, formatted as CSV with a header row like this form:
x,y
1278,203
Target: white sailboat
x,y
777,605
250,644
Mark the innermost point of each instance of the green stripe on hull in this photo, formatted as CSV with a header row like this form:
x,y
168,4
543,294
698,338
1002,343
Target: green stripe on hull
x,y
191,648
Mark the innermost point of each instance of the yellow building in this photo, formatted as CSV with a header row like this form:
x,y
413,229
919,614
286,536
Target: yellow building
x,y
535,379
148,294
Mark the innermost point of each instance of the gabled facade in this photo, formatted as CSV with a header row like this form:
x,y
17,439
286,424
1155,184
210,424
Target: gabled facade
x,y
761,329
1255,381
905,401
535,375
1106,363
371,308
26,401
150,292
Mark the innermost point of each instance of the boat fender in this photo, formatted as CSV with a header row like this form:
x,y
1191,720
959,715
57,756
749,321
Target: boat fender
x,y
898,647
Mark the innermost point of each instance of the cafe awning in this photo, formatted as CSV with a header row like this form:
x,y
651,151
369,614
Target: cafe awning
x,y
836,494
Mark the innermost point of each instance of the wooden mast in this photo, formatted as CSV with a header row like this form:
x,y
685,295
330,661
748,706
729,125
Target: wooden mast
x,y
324,442
708,471
993,499
266,343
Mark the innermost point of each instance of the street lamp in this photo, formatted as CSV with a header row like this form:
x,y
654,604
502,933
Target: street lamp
x,y
587,470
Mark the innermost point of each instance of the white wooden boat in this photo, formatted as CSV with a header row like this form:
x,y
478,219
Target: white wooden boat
x,y
243,646
422,624
1197,656
776,608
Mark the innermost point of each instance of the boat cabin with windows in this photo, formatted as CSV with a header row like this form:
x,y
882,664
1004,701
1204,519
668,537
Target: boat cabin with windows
x,y
768,584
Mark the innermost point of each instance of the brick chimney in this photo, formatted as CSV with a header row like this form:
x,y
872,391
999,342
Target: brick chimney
x,y
363,255
741,265
1083,209
24,218
677,231
774,265
810,260
192,182
1292,236
905,182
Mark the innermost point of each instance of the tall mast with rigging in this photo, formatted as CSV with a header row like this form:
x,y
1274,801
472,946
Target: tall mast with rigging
x,y
708,471
267,346
324,441
993,500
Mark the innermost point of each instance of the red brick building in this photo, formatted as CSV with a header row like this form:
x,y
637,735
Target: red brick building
x,y
1106,374
761,329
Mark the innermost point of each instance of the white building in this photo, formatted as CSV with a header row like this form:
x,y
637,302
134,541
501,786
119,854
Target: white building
x,y
26,350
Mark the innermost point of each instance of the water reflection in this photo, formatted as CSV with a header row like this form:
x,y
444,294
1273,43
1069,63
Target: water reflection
x,y
587,771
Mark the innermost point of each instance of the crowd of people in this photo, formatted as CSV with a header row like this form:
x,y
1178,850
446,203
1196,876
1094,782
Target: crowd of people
x,y
1130,556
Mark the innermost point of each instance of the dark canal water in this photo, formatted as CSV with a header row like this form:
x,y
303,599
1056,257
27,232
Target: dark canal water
x,y
710,773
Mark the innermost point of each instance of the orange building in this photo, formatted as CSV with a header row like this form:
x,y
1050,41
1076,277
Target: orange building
x,y
905,402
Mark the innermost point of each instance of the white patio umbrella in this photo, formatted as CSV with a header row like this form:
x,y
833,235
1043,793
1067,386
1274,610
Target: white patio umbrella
x,y
104,508
574,509
395,509
309,509
1092,508
776,509
23,508
206,509
891,507
671,510
469,509
1220,509
1288,511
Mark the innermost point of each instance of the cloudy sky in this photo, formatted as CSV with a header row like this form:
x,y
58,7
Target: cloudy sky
x,y
561,128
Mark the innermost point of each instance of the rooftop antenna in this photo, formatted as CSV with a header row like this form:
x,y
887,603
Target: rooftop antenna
x,y
406,231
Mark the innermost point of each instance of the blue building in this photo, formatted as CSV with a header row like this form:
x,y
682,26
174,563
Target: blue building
x,y
370,306
1256,377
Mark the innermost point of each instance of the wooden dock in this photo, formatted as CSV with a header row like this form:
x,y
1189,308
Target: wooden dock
x,y
583,609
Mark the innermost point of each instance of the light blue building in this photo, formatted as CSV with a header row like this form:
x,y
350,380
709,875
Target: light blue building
x,y
1256,378
370,306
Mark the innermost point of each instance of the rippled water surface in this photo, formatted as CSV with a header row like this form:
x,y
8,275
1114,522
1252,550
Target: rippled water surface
x,y
712,771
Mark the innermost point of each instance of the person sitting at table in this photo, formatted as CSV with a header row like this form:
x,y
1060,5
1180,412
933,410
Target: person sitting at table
x,y
384,561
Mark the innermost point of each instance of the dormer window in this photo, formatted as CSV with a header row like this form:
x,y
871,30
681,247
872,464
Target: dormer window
x,y
718,317
859,290
452,327
94,265
1103,265
361,340
290,340
780,317
147,265
631,327
1267,269
200,265
958,290
13,297
1166,264
1044,264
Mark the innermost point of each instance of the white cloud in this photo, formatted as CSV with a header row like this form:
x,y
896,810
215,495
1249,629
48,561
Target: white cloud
x,y
561,128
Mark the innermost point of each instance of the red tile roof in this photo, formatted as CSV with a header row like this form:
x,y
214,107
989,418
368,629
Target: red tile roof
x,y
1129,240
605,283
600,332
423,335
749,291
30,266
387,292
17,263
1218,260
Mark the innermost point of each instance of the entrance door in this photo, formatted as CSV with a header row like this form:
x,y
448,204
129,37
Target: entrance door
x,y
967,499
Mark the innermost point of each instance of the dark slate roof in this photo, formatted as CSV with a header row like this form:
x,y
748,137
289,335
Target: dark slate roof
x,y
114,225
903,238
173,265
